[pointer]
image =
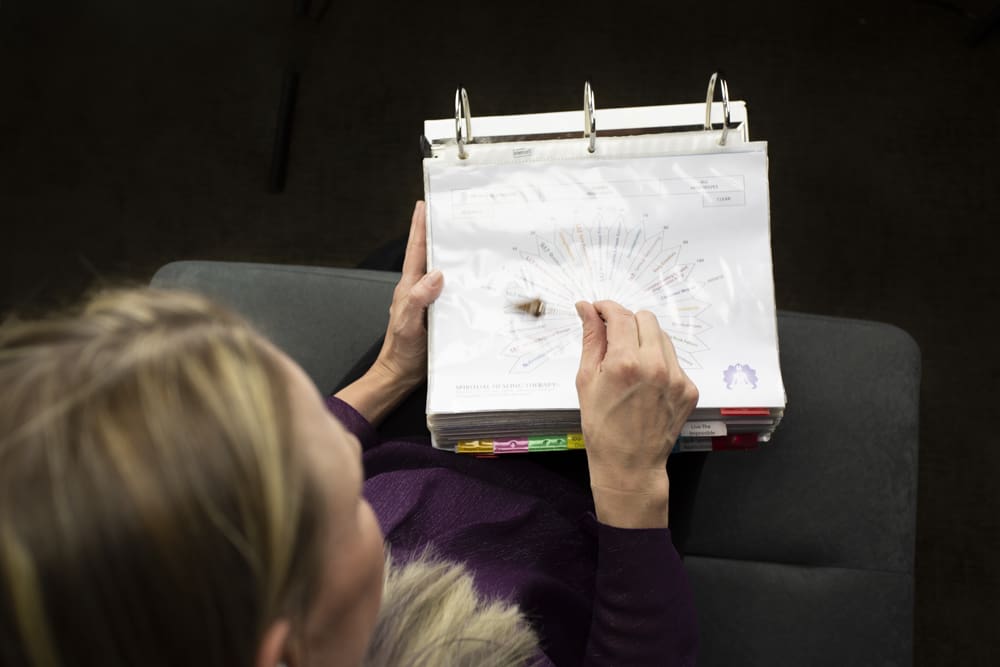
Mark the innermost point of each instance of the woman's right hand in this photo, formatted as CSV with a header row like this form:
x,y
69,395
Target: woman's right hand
x,y
634,399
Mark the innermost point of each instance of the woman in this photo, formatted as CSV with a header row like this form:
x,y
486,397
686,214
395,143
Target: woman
x,y
174,491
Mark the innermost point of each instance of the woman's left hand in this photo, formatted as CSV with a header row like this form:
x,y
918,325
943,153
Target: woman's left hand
x,y
403,357
401,364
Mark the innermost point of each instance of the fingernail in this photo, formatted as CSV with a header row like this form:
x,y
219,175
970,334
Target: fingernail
x,y
434,278
579,309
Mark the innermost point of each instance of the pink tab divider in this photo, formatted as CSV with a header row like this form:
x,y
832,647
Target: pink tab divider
x,y
510,446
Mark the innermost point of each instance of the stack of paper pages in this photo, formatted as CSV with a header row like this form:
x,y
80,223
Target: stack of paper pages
x,y
674,224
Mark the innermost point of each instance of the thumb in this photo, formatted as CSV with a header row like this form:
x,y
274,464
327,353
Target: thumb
x,y
426,290
595,337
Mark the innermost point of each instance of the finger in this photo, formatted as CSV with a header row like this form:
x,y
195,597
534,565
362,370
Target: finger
x,y
651,343
421,295
650,333
595,338
415,259
669,353
623,334
427,290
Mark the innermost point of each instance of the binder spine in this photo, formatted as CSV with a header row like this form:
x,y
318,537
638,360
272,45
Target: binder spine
x,y
436,139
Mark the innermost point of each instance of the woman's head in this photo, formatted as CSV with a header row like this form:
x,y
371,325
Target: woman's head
x,y
173,491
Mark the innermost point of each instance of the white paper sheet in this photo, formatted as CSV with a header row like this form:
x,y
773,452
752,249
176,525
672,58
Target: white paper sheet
x,y
684,236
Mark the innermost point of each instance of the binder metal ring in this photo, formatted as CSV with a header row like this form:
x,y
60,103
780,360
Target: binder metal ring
x,y
462,113
589,120
724,88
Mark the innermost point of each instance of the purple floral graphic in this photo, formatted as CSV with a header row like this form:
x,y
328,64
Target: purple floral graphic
x,y
739,374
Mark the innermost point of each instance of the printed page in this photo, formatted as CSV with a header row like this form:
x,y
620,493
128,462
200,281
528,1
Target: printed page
x,y
684,236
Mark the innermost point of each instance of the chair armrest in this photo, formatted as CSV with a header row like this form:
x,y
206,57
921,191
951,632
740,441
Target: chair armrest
x,y
802,553
323,318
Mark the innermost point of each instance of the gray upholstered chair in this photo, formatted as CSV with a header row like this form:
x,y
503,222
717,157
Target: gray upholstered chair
x,y
800,553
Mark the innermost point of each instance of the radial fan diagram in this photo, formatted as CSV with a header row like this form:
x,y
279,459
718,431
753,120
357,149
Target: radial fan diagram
x,y
632,262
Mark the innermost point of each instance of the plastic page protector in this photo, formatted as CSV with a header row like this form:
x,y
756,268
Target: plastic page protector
x,y
684,236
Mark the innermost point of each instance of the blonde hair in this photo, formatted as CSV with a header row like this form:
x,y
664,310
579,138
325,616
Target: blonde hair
x,y
153,512
151,509
431,615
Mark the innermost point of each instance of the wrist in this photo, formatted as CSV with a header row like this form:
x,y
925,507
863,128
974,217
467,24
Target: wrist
x,y
388,374
391,387
375,394
632,501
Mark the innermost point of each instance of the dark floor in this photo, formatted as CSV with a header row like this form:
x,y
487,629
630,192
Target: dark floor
x,y
132,134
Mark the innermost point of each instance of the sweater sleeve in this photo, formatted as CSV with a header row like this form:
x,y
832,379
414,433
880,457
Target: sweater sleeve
x,y
353,421
644,611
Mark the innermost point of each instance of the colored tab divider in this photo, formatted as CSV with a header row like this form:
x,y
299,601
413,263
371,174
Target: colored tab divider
x,y
687,444
719,443
745,412
553,443
735,441
474,447
546,443
510,446
534,443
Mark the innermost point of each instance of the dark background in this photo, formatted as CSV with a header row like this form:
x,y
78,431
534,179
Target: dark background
x,y
136,133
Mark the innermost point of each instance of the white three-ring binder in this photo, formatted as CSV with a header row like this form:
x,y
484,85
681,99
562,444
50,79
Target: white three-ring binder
x,y
660,208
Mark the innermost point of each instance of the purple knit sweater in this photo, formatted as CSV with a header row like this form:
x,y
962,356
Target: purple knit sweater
x,y
596,595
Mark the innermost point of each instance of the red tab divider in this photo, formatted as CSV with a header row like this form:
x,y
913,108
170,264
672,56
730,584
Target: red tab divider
x,y
734,441
745,412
